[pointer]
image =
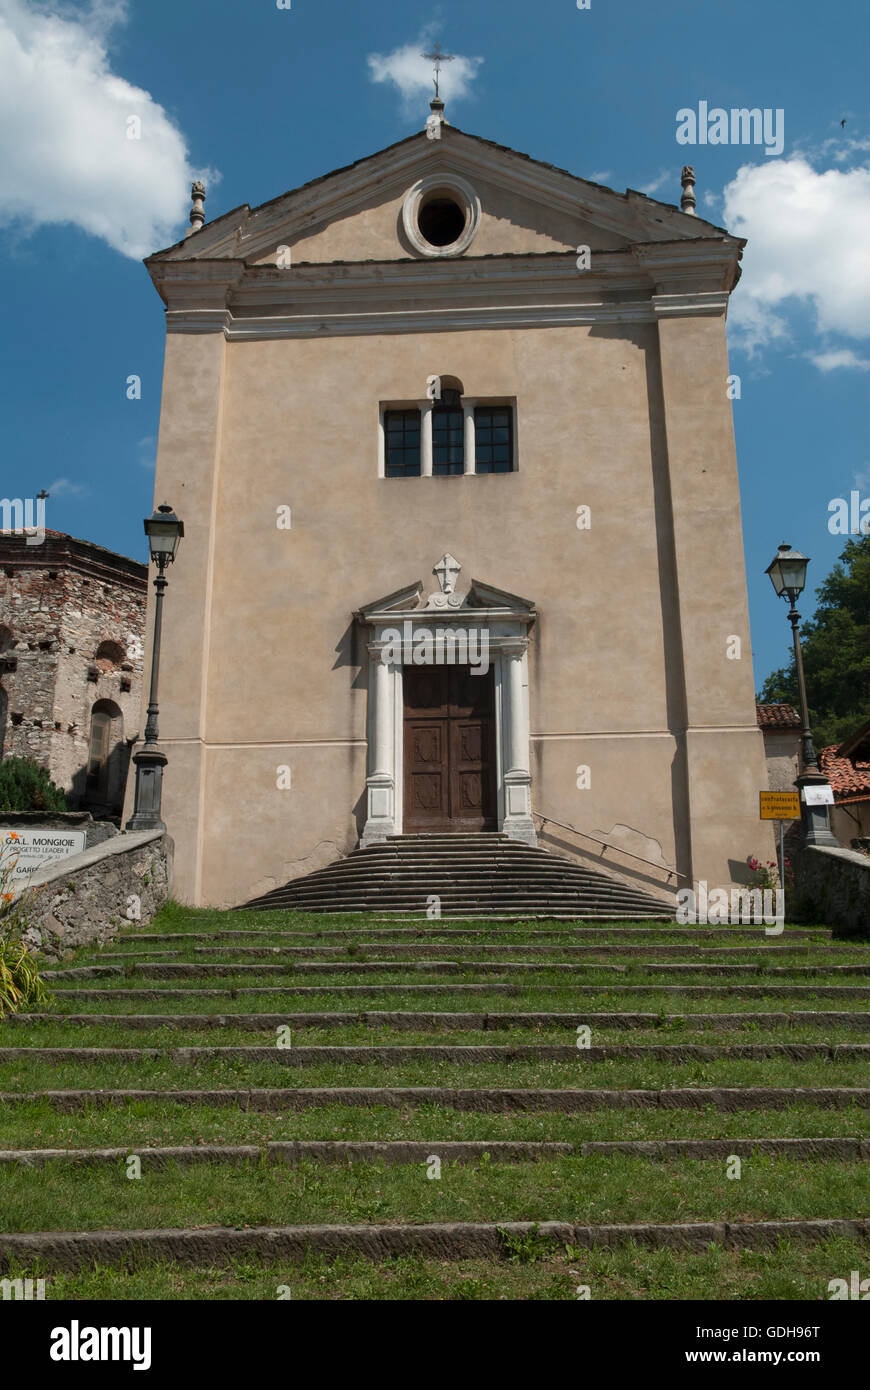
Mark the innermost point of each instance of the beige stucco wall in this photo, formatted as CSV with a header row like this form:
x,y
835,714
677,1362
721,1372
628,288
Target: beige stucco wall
x,y
850,822
782,754
262,666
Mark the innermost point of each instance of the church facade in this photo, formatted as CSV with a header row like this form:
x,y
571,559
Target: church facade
x,y
450,433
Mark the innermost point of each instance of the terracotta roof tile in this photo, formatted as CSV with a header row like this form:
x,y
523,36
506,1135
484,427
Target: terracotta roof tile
x,y
777,717
850,780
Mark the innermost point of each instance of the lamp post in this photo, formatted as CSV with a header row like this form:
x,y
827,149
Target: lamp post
x,y
164,531
788,575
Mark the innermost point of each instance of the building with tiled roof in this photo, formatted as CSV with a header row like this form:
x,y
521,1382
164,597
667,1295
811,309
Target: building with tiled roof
x,y
780,726
847,767
778,716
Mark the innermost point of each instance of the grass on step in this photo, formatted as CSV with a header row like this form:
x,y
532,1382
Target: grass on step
x,y
161,1073
175,917
143,1124
583,1190
531,1000
669,1034
792,1271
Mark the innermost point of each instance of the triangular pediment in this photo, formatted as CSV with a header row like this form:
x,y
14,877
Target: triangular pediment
x,y
405,600
355,214
447,599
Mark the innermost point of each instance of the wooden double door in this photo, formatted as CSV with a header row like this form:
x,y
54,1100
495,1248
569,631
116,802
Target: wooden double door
x,y
449,749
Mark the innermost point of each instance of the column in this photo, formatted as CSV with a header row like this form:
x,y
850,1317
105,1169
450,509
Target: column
x,y
426,440
518,821
381,758
470,438
380,782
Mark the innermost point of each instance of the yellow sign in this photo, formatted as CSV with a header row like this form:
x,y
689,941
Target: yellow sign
x,y
779,805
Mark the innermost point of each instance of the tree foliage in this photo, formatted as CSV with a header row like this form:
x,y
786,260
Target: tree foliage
x,y
836,651
25,786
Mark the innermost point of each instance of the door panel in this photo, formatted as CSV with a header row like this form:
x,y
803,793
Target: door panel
x,y
449,749
426,776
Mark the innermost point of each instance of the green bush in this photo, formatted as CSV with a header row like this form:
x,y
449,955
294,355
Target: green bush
x,y
25,786
21,986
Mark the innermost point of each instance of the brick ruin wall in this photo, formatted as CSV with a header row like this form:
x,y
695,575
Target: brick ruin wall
x,y
58,617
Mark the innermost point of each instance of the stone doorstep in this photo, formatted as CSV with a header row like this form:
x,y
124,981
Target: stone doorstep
x,y
73,1250
404,1151
486,1100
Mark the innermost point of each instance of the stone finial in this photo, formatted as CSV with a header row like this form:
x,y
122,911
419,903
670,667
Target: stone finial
x,y
197,212
687,179
436,120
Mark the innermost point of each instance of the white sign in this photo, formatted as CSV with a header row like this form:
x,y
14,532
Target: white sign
x,y
37,849
819,796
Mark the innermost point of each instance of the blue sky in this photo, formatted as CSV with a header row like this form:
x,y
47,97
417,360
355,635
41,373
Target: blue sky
x,y
261,99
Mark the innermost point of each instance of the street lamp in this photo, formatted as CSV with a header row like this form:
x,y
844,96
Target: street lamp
x,y
164,531
788,575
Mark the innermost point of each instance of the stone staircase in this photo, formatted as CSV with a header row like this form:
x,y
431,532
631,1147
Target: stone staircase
x,y
471,875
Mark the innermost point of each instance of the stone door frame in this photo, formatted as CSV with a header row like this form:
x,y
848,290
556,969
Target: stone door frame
x,y
507,622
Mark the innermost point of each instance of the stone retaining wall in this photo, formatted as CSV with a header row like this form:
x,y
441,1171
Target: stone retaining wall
x,y
835,885
96,831
87,898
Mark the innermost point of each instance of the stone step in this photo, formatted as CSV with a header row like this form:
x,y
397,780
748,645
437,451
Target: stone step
x,y
405,1151
399,1054
478,1099
709,968
413,1021
454,1240
468,872
452,872
341,1151
452,897
544,909
422,951
690,935
851,993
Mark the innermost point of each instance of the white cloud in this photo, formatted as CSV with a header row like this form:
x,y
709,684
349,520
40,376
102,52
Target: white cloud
x,y
65,487
839,357
412,74
147,448
665,176
65,155
601,176
807,233
839,147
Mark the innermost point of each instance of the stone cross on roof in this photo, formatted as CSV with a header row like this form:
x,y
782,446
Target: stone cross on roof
x,y
437,57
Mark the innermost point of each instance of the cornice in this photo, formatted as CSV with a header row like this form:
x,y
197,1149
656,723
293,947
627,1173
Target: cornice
x,y
69,554
638,284
205,283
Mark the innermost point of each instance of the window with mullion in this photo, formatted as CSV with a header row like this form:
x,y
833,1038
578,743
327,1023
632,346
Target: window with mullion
x,y
493,434
402,443
448,440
